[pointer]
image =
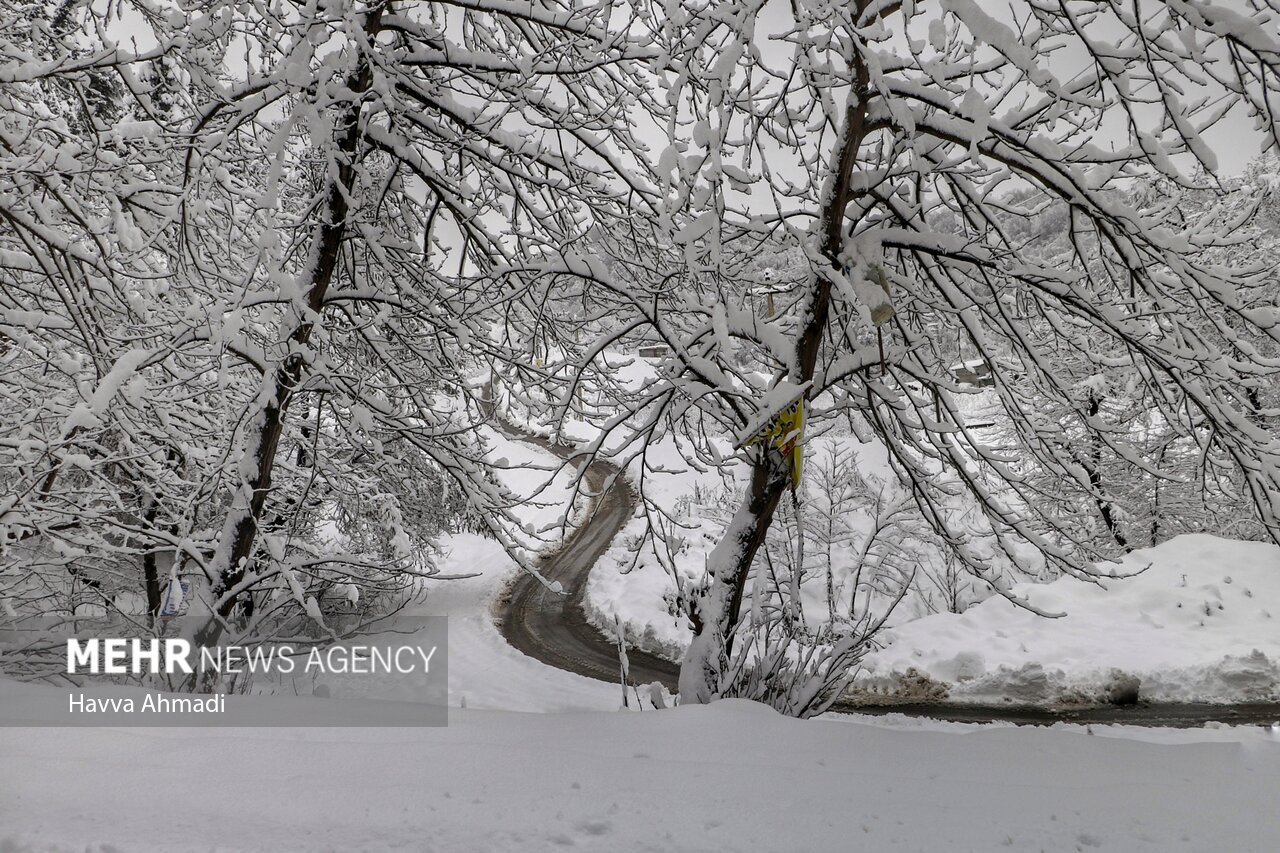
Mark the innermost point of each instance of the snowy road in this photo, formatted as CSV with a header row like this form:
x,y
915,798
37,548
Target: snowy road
x,y
553,627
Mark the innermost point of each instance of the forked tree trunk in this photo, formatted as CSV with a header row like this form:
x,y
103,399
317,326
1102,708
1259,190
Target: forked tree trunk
x,y
262,442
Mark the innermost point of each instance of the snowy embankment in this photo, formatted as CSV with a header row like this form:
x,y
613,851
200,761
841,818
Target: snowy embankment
x,y
727,777
636,593
1201,623
1198,625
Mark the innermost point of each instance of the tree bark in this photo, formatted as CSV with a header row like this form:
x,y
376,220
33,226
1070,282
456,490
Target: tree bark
x,y
150,572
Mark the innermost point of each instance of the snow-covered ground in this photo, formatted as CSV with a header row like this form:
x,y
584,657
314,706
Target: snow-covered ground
x,y
729,777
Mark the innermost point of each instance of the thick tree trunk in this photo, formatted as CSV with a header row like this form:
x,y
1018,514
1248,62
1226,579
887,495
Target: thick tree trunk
x,y
262,442
716,612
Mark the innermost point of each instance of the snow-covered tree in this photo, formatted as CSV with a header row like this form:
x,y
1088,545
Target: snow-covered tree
x,y
907,151
250,314
89,441
890,141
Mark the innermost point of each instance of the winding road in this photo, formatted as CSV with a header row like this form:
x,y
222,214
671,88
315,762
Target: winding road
x,y
553,628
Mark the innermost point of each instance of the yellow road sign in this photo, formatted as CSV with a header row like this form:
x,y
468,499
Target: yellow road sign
x,y
784,434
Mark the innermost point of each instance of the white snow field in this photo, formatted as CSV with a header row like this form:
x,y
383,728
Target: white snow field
x,y
728,777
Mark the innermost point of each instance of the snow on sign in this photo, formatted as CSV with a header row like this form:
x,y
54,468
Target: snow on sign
x,y
177,596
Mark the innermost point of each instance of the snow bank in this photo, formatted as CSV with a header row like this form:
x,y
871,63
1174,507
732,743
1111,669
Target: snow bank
x,y
1198,625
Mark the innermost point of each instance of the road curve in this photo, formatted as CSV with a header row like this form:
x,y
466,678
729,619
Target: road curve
x,y
553,628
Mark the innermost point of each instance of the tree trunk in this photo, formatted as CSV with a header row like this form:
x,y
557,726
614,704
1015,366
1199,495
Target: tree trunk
x,y
715,612
150,573
240,532
1095,476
